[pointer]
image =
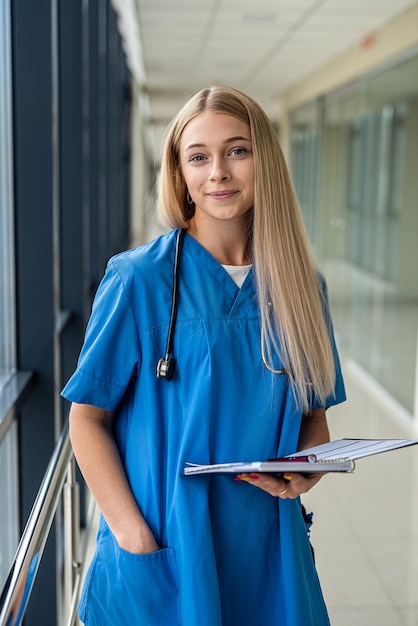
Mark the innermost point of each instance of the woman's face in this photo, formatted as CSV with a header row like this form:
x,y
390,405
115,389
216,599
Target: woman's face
x,y
217,164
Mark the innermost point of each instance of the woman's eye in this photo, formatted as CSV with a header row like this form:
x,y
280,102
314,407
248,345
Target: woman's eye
x,y
238,151
197,157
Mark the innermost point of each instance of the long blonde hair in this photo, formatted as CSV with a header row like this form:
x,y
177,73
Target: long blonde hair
x,y
290,296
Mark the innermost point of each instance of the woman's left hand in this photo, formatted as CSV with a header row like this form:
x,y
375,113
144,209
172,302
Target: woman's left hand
x,y
313,431
290,486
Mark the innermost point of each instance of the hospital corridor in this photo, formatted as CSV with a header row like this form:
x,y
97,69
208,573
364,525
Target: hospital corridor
x,y
87,91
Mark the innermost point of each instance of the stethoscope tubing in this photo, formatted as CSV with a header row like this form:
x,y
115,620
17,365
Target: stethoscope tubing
x,y
166,365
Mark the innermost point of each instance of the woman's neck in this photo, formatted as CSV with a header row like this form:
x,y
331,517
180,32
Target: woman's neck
x,y
225,240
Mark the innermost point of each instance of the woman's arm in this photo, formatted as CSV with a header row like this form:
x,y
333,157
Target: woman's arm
x,y
99,461
313,431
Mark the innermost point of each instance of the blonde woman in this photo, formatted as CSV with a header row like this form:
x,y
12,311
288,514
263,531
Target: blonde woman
x,y
230,309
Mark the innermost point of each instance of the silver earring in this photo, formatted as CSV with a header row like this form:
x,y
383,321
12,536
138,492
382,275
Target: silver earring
x,y
189,199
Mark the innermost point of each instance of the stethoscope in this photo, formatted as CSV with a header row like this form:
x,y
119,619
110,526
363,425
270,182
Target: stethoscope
x,y
167,364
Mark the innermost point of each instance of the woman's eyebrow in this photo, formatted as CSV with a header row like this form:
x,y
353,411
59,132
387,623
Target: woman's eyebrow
x,y
226,141
237,138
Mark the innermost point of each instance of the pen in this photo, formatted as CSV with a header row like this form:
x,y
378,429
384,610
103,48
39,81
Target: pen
x,y
311,458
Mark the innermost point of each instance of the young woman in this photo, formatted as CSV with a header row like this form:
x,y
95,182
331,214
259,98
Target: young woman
x,y
241,368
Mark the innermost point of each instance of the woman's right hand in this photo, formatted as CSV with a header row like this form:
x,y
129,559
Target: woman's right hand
x,y
141,542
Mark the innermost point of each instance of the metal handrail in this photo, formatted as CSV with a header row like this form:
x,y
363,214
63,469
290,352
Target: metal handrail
x,y
82,565
22,574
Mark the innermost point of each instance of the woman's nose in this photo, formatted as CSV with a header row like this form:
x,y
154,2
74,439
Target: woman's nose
x,y
219,170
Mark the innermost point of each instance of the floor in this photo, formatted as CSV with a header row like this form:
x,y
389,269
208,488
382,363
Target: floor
x,y
365,530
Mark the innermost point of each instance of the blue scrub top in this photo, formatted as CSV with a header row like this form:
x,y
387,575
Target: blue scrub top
x,y
232,555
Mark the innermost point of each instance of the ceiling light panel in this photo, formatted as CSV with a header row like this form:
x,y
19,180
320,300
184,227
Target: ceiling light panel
x,y
177,5
380,6
265,6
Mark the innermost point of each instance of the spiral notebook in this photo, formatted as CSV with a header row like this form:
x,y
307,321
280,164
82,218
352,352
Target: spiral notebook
x,y
336,456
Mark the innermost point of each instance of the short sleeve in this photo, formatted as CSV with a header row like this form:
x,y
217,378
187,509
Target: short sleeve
x,y
110,354
339,394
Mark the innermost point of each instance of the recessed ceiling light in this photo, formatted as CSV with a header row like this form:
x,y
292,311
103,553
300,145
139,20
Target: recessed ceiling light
x,y
259,18
228,65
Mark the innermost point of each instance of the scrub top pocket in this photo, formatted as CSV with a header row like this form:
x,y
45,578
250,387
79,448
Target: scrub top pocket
x,y
127,589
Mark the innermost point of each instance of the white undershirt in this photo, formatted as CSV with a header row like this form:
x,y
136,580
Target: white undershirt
x,y
238,273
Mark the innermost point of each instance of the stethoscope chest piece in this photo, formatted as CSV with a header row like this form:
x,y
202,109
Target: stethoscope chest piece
x,y
165,367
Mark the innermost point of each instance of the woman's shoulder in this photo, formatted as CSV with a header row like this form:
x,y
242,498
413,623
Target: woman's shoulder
x,y
146,259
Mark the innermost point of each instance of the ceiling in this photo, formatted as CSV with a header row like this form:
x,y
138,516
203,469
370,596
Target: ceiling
x,y
263,47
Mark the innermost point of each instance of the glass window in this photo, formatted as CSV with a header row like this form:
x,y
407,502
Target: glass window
x,y
9,494
9,491
7,313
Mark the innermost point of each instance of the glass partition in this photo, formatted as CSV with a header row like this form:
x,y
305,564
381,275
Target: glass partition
x,y
363,218
305,166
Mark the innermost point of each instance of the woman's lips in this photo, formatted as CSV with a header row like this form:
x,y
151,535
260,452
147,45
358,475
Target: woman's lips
x,y
222,195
